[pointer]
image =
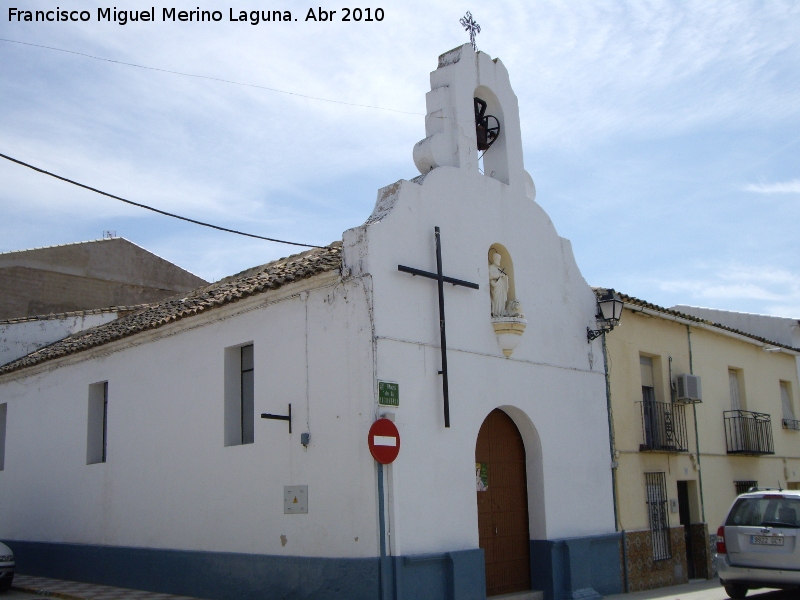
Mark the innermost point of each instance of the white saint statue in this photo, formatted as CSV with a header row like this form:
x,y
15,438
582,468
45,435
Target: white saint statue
x,y
498,286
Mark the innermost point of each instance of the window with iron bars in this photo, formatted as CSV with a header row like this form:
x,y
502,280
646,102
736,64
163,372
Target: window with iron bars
x,y
656,486
742,487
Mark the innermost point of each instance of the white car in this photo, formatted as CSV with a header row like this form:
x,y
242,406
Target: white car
x,y
6,567
759,544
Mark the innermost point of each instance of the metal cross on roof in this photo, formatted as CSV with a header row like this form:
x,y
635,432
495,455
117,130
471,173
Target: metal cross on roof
x,y
470,25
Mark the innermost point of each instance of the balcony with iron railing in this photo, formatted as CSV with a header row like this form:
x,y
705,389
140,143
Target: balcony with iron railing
x,y
663,427
748,432
791,424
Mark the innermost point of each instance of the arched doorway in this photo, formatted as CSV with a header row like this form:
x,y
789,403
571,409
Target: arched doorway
x,y
502,487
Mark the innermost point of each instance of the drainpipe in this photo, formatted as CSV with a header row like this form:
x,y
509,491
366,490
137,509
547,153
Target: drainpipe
x,y
612,446
696,434
611,442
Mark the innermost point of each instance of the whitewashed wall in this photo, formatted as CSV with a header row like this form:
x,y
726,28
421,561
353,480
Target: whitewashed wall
x,y
23,337
169,481
553,382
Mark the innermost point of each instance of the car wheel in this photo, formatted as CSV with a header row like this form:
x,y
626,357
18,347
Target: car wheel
x,y
736,591
5,584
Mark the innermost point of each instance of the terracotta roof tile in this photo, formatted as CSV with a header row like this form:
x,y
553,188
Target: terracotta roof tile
x,y
270,276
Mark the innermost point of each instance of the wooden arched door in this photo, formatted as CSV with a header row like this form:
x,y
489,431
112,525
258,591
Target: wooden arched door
x,y
502,487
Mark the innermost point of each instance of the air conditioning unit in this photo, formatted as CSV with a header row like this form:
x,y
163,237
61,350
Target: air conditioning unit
x,y
689,389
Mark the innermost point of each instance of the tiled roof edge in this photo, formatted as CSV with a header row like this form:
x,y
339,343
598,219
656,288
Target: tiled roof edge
x,y
270,276
632,300
74,313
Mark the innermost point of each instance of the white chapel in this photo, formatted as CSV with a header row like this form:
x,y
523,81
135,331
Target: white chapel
x,y
135,453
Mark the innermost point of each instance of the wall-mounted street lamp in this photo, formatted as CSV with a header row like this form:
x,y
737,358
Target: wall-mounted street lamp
x,y
608,314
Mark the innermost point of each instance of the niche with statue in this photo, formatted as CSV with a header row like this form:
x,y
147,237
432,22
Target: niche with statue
x,y
508,320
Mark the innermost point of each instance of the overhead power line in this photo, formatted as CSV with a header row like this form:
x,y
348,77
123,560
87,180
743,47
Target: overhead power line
x,y
218,79
157,210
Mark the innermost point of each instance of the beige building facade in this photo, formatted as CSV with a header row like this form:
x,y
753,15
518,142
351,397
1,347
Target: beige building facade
x,y
679,460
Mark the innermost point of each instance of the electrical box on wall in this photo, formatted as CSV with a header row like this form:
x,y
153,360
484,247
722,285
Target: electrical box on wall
x,y
673,505
295,500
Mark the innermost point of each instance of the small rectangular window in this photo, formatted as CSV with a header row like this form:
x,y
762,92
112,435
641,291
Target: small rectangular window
x,y
742,487
3,413
656,486
248,394
239,395
97,424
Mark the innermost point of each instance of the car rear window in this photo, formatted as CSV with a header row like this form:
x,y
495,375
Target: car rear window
x,y
769,512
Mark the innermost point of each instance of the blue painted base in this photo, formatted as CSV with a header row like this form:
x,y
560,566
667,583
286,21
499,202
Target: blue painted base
x,y
585,568
453,575
230,576
566,569
215,575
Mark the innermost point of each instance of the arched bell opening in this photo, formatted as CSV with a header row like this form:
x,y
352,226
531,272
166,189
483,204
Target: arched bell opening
x,y
489,139
503,504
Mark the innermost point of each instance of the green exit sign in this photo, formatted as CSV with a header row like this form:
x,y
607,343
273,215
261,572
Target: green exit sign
x,y
388,393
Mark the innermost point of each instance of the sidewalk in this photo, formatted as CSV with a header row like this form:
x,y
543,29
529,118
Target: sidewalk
x,y
700,589
72,590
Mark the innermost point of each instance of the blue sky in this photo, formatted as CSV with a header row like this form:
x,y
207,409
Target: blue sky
x,y
663,137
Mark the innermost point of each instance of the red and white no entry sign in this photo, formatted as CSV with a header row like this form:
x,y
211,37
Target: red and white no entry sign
x,y
384,441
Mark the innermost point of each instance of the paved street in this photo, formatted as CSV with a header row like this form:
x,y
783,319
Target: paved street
x,y
701,590
27,585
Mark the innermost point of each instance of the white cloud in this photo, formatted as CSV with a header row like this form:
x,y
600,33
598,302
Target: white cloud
x,y
776,291
587,75
786,187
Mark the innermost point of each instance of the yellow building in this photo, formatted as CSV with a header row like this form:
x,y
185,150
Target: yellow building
x,y
685,447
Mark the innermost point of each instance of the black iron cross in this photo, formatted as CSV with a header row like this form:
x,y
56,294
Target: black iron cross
x,y
441,279
470,25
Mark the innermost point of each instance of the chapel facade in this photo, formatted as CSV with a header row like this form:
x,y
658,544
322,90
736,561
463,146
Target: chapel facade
x,y
457,292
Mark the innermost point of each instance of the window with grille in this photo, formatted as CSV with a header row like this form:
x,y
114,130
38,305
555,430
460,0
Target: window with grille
x,y
742,487
656,486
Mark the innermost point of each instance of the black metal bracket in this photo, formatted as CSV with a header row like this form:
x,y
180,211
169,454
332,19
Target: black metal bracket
x,y
593,334
280,417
